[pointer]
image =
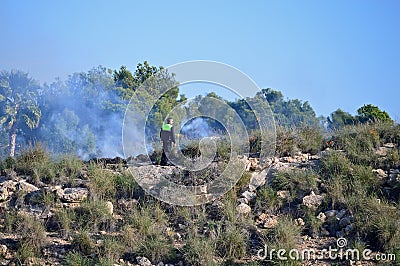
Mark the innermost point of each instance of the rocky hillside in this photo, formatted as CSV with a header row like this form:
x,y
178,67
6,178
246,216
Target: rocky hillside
x,y
67,212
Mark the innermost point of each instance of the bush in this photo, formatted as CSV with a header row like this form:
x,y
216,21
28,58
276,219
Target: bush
x,y
11,220
286,141
230,203
377,222
83,243
232,242
102,182
297,182
64,219
7,163
335,164
32,233
69,165
145,233
359,142
268,200
24,253
36,162
284,236
125,185
243,181
93,215
199,250
111,249
77,259
310,139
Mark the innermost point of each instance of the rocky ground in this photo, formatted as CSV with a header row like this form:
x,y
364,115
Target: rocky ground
x,y
19,193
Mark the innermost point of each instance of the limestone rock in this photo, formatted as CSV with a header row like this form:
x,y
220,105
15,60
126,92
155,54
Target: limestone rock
x,y
110,207
143,261
7,188
381,151
312,201
73,195
26,187
380,173
242,200
299,222
322,217
243,208
389,145
249,195
284,194
257,179
267,220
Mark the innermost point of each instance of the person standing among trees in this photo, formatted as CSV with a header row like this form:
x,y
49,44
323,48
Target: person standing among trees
x,y
167,136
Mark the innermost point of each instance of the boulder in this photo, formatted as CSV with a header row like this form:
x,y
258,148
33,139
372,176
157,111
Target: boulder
x,y
283,194
73,195
312,201
331,213
381,151
267,221
242,200
380,173
243,208
7,188
249,195
110,207
143,261
26,187
251,164
299,222
389,145
257,179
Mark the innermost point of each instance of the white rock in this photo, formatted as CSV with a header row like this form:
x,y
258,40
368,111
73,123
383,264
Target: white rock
x,y
284,194
380,173
26,187
381,151
73,195
143,261
242,200
243,208
322,217
257,179
3,250
312,201
7,188
110,207
299,222
249,195
389,145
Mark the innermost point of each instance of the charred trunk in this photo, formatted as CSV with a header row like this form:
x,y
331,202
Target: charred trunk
x,y
13,138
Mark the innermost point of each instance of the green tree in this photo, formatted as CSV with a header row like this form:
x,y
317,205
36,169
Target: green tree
x,y
82,114
124,82
372,113
19,110
339,119
153,81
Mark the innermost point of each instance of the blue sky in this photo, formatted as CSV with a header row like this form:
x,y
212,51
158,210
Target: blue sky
x,y
334,54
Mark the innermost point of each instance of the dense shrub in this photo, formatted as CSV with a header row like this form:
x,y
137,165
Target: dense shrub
x,y
199,250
